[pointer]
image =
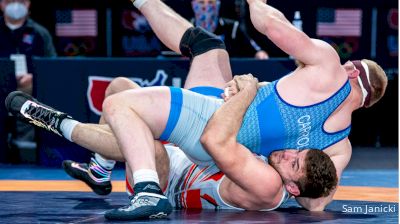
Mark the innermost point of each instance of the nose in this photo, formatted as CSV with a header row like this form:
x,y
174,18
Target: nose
x,y
287,155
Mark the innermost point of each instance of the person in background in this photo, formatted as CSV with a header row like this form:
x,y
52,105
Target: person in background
x,y
20,39
238,42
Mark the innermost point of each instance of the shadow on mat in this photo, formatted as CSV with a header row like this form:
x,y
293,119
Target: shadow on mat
x,y
87,203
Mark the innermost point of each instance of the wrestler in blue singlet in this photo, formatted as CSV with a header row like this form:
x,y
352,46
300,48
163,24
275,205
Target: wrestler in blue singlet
x,y
270,123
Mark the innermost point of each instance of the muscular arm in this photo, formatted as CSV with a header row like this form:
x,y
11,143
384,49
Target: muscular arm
x,y
224,125
272,23
235,160
340,160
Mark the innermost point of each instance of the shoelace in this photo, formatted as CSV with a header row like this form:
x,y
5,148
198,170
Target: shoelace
x,y
37,116
132,199
142,197
44,115
140,200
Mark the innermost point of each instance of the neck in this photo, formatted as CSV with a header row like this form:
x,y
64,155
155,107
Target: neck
x,y
353,101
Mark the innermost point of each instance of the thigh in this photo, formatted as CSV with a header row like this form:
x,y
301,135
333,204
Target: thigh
x,y
120,84
209,69
151,104
195,111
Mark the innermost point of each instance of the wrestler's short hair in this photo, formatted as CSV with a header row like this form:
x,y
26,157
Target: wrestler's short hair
x,y
319,177
378,81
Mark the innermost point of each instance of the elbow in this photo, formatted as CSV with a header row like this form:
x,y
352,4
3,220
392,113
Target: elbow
x,y
209,139
218,150
211,136
216,138
205,139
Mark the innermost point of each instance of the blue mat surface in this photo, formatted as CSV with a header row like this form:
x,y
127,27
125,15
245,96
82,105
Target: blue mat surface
x,y
72,207
350,177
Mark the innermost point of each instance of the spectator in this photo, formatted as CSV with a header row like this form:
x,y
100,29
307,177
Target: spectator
x,y
22,38
238,42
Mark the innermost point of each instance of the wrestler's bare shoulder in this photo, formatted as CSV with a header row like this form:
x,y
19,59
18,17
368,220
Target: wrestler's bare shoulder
x,y
341,148
340,154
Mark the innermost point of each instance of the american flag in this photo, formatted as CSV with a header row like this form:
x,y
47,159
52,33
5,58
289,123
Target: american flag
x,y
76,23
339,22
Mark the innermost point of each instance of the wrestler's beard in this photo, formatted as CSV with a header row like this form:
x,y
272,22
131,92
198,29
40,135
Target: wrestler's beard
x,y
275,166
272,163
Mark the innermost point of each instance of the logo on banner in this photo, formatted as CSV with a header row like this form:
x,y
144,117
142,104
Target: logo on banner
x,y
345,46
98,85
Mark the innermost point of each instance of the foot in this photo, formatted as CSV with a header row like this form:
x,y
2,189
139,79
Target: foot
x,y
28,109
81,171
143,206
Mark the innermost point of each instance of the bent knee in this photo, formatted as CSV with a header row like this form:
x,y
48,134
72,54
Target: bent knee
x,y
120,84
111,104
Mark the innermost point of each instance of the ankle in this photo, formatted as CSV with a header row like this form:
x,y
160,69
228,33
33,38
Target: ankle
x,y
99,173
103,162
148,187
67,126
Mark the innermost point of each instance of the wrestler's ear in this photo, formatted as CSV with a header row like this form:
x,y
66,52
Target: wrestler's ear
x,y
353,73
292,188
351,70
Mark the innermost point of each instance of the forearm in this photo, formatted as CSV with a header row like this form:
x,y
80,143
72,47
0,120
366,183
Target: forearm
x,y
265,17
272,23
227,120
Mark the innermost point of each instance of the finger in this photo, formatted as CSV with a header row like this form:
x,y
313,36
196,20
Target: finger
x,y
237,84
226,99
226,92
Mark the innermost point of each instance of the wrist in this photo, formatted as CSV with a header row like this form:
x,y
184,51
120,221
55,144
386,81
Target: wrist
x,y
251,90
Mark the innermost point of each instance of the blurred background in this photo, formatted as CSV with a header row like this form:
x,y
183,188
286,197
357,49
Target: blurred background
x,y
97,40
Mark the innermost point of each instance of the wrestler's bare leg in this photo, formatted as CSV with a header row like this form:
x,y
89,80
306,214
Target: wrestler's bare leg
x,y
148,109
162,166
210,69
99,138
138,117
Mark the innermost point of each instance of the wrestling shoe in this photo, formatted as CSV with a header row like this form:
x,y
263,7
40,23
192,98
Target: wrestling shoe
x,y
28,109
96,177
143,205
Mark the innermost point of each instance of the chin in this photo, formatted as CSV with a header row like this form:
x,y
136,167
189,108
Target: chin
x,y
272,163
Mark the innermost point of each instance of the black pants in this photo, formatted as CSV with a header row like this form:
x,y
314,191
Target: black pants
x,y
7,84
